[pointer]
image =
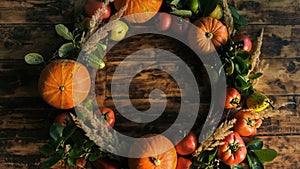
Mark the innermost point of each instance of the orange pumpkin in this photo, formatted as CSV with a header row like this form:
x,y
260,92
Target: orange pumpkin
x,y
153,145
139,11
207,35
64,83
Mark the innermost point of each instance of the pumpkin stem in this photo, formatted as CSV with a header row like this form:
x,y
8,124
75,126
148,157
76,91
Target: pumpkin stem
x,y
155,161
62,88
209,35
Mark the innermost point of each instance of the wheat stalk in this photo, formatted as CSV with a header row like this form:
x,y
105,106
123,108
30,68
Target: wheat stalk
x,y
216,138
102,32
96,129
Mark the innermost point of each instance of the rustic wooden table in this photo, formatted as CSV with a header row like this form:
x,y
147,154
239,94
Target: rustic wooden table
x,y
28,26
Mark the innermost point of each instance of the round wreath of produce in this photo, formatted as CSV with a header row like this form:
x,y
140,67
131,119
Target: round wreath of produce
x,y
65,84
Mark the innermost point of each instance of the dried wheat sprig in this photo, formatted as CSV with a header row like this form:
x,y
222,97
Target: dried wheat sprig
x,y
271,112
254,59
102,32
97,18
96,130
216,138
228,19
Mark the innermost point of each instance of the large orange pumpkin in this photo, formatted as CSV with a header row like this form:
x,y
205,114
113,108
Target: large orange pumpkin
x,y
153,145
207,35
139,11
64,83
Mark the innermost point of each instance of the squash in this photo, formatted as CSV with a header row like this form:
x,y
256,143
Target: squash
x,y
153,145
64,83
207,35
138,11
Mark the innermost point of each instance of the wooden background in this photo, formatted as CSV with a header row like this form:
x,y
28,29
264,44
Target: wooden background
x,y
28,26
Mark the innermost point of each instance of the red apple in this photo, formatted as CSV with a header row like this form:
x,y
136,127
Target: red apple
x,y
92,6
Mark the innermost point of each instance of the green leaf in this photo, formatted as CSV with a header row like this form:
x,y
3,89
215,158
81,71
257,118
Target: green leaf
x,y
255,76
47,149
89,144
96,62
65,49
34,58
212,155
69,130
50,161
237,18
266,155
256,144
96,154
244,55
244,65
254,161
237,166
208,6
64,32
103,46
185,13
71,161
234,12
174,2
75,153
56,131
242,21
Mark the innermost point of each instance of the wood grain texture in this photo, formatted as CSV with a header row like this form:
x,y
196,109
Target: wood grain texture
x,y
36,12
28,26
288,149
275,12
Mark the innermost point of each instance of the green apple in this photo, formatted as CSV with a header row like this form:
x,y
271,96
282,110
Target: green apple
x,y
193,5
118,31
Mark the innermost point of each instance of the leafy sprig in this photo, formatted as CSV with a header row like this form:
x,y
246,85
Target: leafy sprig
x,y
67,145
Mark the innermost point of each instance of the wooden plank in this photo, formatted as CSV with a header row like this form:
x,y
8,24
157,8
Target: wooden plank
x,y
275,12
288,149
288,122
18,40
278,42
19,153
281,78
36,12
18,79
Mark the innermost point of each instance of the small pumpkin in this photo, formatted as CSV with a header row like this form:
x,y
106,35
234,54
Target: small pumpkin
x,y
207,35
154,144
139,11
64,83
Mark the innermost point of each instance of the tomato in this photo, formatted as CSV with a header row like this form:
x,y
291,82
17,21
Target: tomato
x,y
92,6
233,151
163,21
85,21
242,42
233,98
183,163
63,119
107,114
245,123
180,25
185,143
106,163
